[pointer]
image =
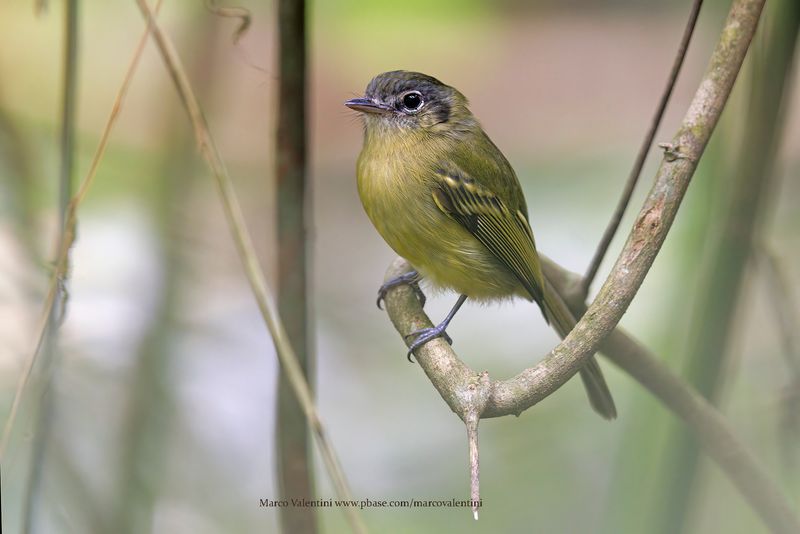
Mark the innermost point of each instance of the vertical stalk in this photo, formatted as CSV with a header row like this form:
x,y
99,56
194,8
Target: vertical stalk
x,y
749,185
44,415
294,466
68,106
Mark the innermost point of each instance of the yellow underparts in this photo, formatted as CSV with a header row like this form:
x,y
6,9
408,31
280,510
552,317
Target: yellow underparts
x,y
395,183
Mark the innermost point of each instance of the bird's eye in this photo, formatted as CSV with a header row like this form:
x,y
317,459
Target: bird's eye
x,y
412,101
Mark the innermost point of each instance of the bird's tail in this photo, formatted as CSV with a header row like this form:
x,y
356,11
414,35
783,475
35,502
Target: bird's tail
x,y
596,388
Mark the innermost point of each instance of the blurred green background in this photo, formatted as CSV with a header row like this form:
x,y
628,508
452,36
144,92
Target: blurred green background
x,y
164,394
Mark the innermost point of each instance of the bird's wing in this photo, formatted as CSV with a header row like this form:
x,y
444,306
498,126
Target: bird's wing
x,y
505,232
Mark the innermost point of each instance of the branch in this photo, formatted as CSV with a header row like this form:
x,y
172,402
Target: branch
x,y
519,393
633,177
454,380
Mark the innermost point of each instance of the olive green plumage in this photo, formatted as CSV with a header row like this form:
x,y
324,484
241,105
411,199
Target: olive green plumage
x,y
445,198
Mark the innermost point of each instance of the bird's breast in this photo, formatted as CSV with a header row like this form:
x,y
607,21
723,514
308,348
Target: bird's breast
x,y
396,188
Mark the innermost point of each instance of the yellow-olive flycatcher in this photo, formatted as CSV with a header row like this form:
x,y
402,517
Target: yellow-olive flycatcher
x,y
445,198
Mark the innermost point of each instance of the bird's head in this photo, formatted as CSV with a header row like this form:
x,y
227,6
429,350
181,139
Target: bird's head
x,y
410,101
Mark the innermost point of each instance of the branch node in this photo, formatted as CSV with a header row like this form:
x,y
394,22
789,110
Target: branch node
x,y
672,152
474,398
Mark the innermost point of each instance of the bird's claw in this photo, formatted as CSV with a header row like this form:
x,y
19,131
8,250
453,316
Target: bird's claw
x,y
410,278
424,335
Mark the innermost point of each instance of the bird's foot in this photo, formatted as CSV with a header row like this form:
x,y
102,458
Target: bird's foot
x,y
424,335
410,278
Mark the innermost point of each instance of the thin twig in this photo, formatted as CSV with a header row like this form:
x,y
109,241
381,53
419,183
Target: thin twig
x,y
475,397
241,13
473,418
255,276
647,143
60,268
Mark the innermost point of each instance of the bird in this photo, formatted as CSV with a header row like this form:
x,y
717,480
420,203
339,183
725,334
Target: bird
x,y
445,198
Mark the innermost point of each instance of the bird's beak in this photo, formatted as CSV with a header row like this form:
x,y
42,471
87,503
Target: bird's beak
x,y
365,105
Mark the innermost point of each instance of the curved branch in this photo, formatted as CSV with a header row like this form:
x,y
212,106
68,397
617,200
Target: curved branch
x,y
647,235
455,381
452,378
